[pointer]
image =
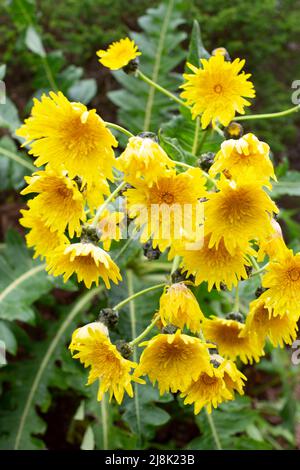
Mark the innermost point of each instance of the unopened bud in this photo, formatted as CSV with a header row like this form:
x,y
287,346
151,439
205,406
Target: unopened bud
x,y
150,252
89,234
169,329
148,135
179,276
132,66
234,130
206,160
237,316
124,348
109,317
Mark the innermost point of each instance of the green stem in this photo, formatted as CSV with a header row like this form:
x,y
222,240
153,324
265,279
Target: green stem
x,y
259,271
49,74
104,421
176,262
144,333
236,306
205,135
138,294
156,266
135,357
118,128
196,136
163,90
255,265
17,159
106,202
268,115
213,430
184,165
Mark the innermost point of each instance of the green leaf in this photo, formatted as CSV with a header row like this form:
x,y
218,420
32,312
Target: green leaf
x,y
140,106
196,48
22,12
34,42
9,117
88,442
12,172
22,280
83,90
7,336
2,71
288,185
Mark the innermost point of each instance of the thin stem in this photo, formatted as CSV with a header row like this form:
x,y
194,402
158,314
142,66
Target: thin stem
x,y
259,271
49,74
106,202
17,159
255,264
104,420
119,128
184,165
196,136
268,115
144,333
218,130
236,306
175,264
135,357
163,90
138,294
213,430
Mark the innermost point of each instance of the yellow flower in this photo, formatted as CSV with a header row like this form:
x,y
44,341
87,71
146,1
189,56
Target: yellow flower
x,y
282,279
227,334
170,209
217,90
144,159
59,202
107,365
94,192
216,265
237,214
245,159
179,306
40,237
65,133
88,261
173,360
280,330
211,389
118,54
108,228
274,245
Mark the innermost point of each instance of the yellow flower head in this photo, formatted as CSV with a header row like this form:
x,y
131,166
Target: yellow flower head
x,y
59,202
274,245
227,334
173,360
179,306
94,192
279,330
107,365
40,237
217,90
216,265
108,228
282,280
118,54
170,209
245,159
143,159
211,389
88,261
65,133
237,214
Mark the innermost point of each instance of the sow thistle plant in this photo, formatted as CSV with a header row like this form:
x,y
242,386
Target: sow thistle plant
x,y
215,220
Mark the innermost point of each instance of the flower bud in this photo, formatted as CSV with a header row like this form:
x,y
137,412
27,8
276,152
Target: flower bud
x,y
124,348
150,252
206,160
237,316
148,135
109,317
132,66
169,329
89,234
234,130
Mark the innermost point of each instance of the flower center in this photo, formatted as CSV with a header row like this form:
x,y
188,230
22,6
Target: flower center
x,y
294,274
168,198
207,380
63,191
218,88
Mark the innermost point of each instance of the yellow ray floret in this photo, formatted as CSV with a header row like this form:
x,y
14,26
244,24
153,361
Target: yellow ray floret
x,y
237,214
217,90
173,361
143,159
244,159
118,54
64,133
95,350
59,202
282,280
88,261
227,334
179,306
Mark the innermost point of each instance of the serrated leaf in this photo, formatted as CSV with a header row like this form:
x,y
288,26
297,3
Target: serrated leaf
x,y
34,42
197,50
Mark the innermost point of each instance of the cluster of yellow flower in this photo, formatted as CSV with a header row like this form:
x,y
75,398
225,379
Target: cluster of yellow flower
x,y
239,229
